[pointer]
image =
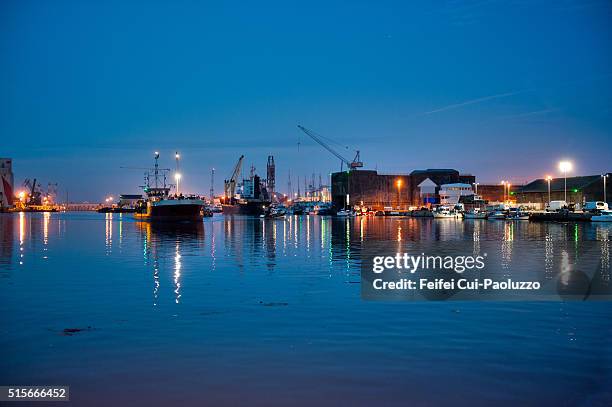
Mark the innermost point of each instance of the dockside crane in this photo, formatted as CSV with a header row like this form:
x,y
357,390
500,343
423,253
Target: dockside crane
x,y
351,165
230,184
33,195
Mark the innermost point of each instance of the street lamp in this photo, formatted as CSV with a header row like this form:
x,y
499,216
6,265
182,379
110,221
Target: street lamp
x,y
504,186
177,175
564,167
399,185
476,188
548,178
604,176
508,194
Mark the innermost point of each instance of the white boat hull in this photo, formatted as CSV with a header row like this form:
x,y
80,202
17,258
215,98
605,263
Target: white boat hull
x,y
475,215
446,215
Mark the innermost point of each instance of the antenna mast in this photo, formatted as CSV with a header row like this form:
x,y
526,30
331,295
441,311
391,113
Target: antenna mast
x,y
212,184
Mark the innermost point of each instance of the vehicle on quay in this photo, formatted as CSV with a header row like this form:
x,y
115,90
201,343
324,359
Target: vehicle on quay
x,y
595,206
555,206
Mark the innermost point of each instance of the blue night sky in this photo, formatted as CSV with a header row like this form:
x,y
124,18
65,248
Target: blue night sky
x,y
499,89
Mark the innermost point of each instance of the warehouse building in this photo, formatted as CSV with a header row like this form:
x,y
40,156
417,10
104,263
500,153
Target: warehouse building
x,y
579,190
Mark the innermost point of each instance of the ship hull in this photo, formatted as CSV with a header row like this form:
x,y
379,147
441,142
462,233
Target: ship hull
x,y
245,208
173,211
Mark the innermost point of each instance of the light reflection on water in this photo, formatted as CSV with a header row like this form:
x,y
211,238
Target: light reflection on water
x,y
270,307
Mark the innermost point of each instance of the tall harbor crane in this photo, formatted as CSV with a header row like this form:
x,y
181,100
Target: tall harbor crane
x,y
230,184
34,193
351,165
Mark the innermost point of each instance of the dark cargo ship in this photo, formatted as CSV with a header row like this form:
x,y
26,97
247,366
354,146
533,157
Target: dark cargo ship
x,y
246,207
248,198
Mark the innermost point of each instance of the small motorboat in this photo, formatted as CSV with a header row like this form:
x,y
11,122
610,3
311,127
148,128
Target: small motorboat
x,y
498,215
275,212
604,216
475,213
518,216
442,212
344,213
421,213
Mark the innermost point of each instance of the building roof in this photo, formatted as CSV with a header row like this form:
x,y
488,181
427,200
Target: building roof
x,y
456,185
427,183
558,185
434,171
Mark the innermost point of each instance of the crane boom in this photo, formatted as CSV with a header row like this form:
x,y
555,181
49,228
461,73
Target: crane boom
x,y
230,185
356,163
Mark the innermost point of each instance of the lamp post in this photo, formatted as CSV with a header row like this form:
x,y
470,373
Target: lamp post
x,y
177,174
508,193
399,185
548,178
504,186
564,167
476,188
604,176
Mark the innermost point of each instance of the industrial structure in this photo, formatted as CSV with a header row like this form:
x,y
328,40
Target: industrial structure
x,y
271,175
373,190
6,183
350,164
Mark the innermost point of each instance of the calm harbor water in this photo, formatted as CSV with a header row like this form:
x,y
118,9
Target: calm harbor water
x,y
242,311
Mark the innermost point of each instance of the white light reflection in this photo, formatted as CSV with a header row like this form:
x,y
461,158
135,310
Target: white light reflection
x,y
177,273
21,235
109,232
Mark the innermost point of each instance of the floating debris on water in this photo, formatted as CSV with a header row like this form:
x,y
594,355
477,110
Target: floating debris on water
x,y
72,331
273,304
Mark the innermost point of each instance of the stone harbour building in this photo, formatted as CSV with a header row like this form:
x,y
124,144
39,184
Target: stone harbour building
x,y
376,191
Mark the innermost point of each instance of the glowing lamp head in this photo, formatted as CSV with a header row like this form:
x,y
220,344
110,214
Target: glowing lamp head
x,y
177,176
548,178
565,166
177,156
399,183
